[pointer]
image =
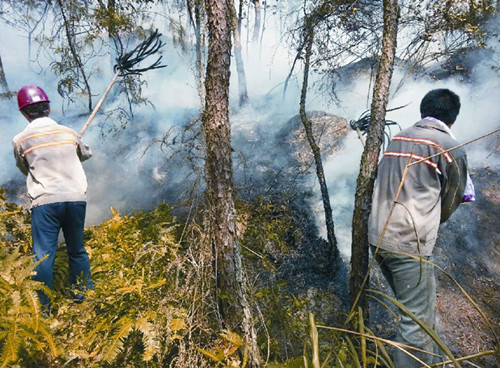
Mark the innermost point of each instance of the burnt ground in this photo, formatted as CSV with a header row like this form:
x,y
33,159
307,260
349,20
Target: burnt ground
x,y
468,249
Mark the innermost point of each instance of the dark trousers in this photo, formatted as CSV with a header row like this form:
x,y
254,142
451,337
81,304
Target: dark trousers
x,y
414,285
46,222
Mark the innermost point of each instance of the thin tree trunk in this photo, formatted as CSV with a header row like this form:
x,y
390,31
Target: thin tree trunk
x,y
369,159
240,68
261,41
74,53
3,79
232,297
112,30
330,229
240,15
256,27
196,16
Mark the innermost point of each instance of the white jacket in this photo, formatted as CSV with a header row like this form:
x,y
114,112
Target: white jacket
x,y
50,155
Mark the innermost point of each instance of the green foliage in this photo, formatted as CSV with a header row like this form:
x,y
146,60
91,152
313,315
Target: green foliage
x,y
269,231
152,302
269,234
84,34
134,265
20,319
134,315
466,16
111,19
226,350
15,230
180,35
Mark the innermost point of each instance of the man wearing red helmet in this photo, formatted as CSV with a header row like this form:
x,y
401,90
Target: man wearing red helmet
x,y
50,155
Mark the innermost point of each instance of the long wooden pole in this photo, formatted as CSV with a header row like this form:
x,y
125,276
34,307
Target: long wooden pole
x,y
98,106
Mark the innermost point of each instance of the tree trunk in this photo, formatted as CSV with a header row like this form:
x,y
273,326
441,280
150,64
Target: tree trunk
x,y
3,81
196,13
232,298
256,27
240,68
330,229
74,52
369,159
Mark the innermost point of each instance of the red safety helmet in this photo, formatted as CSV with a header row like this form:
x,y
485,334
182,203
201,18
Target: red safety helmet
x,y
29,95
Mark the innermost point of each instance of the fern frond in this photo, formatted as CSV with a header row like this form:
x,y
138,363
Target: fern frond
x,y
25,270
35,339
31,297
61,269
49,339
99,327
157,284
11,346
150,338
17,267
232,338
112,349
15,296
177,324
218,356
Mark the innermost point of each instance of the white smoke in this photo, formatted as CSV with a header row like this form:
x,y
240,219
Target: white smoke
x,y
126,175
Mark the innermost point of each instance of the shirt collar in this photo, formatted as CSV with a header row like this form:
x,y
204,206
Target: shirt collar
x,y
38,122
442,125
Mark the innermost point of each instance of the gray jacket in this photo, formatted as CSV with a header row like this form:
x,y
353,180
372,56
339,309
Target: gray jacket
x,y
432,189
50,156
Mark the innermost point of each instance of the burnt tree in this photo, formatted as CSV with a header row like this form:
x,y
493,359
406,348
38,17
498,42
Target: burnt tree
x,y
258,18
230,278
240,69
196,12
370,157
320,173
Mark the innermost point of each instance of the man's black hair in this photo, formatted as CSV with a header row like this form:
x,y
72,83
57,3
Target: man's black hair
x,y
38,110
441,104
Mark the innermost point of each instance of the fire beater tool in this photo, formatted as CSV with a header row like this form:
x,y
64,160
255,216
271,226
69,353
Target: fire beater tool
x,y
363,123
126,65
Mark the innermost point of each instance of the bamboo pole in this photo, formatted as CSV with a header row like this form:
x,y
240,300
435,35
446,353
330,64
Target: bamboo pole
x,y
98,106
360,136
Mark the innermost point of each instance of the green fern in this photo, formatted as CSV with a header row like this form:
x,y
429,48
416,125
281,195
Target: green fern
x,y
131,262
125,326
15,229
20,320
61,270
150,338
